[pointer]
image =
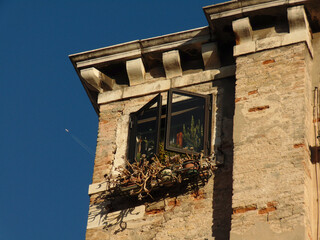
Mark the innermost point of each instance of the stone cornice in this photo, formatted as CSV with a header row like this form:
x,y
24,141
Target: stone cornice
x,y
240,8
134,49
138,60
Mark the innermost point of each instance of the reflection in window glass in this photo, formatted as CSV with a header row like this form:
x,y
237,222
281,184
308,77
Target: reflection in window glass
x,y
181,126
146,133
187,122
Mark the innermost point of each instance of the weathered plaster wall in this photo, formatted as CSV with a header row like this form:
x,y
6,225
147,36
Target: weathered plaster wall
x,y
179,215
272,134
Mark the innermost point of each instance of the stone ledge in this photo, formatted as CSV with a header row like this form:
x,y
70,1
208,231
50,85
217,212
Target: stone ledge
x,y
97,187
272,42
164,85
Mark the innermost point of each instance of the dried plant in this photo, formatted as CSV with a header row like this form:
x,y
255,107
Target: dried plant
x,y
143,176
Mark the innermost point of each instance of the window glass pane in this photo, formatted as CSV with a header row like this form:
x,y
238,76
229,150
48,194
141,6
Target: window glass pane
x,y
187,122
146,132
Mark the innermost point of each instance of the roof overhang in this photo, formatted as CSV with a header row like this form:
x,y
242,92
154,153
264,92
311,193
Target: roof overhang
x,y
132,50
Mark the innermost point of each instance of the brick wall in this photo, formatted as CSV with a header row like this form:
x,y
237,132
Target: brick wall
x,y
272,133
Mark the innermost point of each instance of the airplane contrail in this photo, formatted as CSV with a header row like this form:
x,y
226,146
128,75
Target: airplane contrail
x,y
82,144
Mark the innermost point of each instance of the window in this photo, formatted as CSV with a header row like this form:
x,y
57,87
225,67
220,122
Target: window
x,y
145,130
180,126
187,122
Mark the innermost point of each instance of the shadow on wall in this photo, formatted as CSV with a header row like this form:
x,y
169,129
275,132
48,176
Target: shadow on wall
x,y
105,215
114,213
223,183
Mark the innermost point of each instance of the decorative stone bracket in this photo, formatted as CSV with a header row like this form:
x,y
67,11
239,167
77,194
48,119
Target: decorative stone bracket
x,y
210,56
172,64
299,31
299,27
244,36
136,71
164,85
97,79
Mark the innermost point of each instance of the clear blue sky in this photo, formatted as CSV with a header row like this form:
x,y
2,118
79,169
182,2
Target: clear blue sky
x,y
44,173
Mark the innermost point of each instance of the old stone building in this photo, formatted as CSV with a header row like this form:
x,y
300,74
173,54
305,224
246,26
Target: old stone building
x,y
238,100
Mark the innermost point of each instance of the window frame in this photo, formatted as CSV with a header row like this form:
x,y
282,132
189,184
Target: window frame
x,y
134,125
206,127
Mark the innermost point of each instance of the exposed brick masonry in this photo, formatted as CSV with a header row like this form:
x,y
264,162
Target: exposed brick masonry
x,y
255,109
269,140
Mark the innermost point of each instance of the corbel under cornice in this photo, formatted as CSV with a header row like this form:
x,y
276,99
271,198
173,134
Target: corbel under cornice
x,y
132,55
